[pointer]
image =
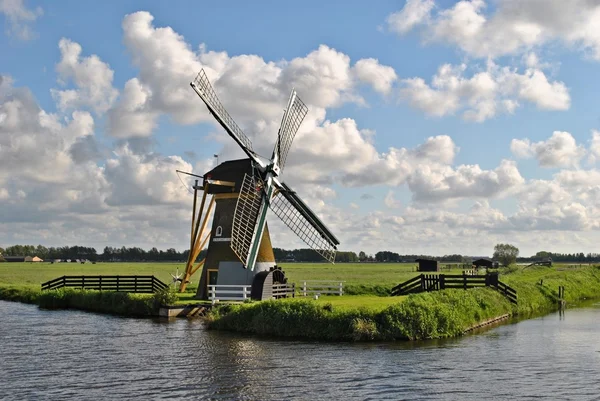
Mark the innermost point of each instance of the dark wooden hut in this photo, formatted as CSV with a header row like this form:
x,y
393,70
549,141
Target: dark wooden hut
x,y
428,265
483,263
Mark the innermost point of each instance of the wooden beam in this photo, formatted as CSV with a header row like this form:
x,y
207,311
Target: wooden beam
x,y
199,265
194,238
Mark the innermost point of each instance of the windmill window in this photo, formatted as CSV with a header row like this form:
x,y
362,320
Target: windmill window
x,y
219,231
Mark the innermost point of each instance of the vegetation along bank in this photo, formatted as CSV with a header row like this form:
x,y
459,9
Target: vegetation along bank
x,y
440,314
365,312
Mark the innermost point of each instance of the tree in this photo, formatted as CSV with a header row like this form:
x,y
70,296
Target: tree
x,y
362,256
506,253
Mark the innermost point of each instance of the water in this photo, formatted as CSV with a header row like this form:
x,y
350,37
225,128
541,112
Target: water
x,y
54,355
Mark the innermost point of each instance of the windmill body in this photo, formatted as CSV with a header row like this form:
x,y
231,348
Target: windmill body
x,y
222,266
239,245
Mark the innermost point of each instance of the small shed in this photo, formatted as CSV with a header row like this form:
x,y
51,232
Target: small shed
x,y
428,265
483,263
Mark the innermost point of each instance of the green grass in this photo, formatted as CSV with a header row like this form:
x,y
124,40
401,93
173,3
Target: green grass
x,y
371,302
34,274
418,316
428,315
365,312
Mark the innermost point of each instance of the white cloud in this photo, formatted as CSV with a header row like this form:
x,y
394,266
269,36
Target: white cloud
x,y
379,76
391,202
466,181
511,27
92,77
595,146
132,117
560,150
413,13
19,18
521,148
485,94
324,78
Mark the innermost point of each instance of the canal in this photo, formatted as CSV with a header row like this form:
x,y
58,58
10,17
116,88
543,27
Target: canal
x,y
84,356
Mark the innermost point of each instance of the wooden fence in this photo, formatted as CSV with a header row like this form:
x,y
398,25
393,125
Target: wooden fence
x,y
284,290
436,282
139,284
322,287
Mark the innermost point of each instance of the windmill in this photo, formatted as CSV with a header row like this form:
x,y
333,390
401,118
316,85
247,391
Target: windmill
x,y
240,249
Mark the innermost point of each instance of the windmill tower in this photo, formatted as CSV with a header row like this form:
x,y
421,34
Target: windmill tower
x,y
239,245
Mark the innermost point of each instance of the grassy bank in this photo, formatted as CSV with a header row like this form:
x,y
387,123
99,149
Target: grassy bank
x,y
428,315
419,316
365,312
118,303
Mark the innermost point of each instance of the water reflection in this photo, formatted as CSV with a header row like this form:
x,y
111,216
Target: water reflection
x,y
70,354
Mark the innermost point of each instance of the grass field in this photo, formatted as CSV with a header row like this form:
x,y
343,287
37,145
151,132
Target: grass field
x,y
365,312
353,274
33,274
359,278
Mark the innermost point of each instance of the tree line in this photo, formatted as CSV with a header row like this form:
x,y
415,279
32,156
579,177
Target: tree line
x,y
109,254
137,254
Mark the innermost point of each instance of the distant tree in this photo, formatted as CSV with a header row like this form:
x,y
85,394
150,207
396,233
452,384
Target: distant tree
x,y
362,256
506,253
541,255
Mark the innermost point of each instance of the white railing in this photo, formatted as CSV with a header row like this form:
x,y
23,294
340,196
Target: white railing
x,y
323,287
228,292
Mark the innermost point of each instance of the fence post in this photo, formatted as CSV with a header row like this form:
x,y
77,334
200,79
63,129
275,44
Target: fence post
x,y
442,281
117,283
422,282
304,289
99,282
135,284
244,292
341,290
465,281
293,290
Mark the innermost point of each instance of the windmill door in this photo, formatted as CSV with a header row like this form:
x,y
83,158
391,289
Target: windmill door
x,y
212,277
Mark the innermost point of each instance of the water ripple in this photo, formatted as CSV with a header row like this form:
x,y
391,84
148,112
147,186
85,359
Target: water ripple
x,y
57,355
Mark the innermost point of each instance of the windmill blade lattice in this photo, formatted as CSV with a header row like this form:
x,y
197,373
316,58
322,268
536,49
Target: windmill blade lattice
x,y
206,92
304,223
290,123
245,216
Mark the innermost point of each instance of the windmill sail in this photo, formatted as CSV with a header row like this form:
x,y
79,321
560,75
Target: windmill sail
x,y
257,190
292,118
204,89
304,222
245,217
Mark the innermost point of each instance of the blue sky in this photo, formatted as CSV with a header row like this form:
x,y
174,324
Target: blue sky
x,y
471,122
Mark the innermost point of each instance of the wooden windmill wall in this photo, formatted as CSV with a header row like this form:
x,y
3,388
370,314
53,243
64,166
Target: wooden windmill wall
x,y
221,265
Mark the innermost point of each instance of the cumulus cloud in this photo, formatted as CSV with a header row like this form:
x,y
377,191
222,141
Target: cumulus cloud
x,y
391,202
485,94
379,76
92,77
511,27
560,150
19,18
52,188
413,13
594,147
466,181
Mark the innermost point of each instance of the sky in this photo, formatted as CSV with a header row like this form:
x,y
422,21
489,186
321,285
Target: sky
x,y
434,127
